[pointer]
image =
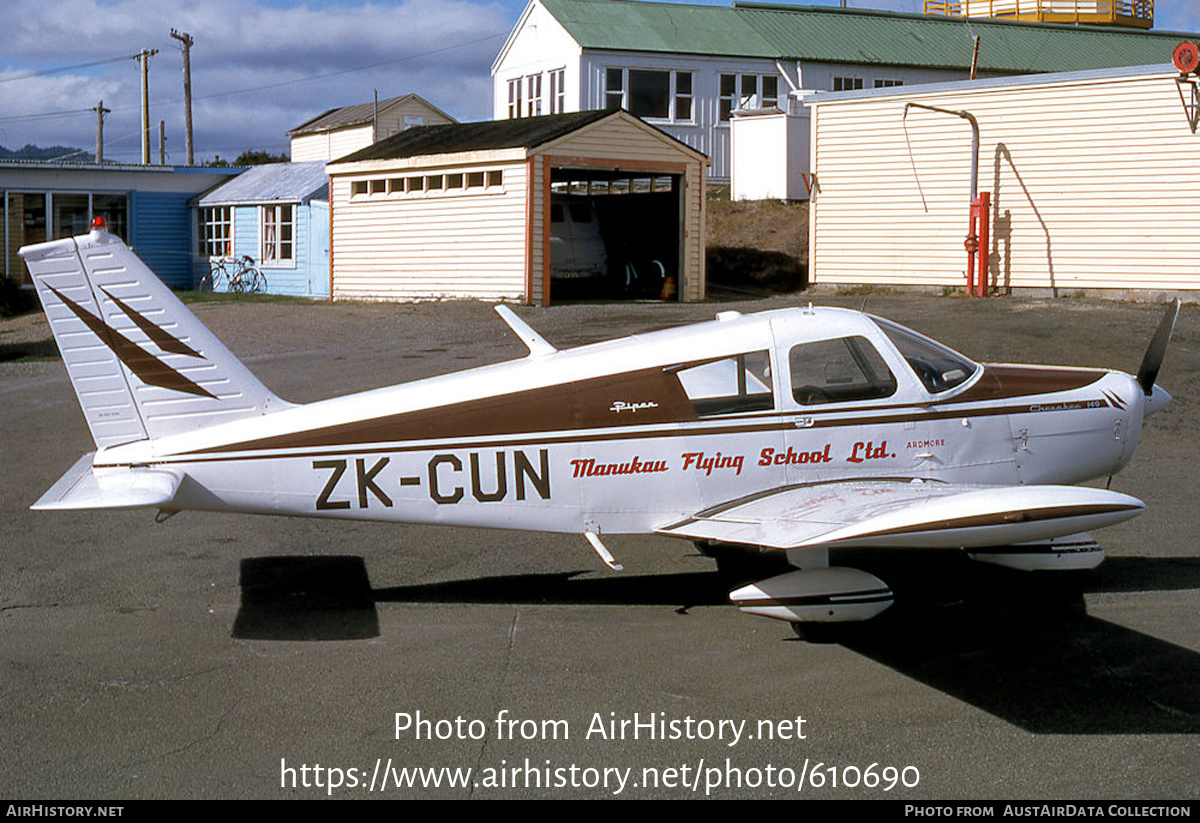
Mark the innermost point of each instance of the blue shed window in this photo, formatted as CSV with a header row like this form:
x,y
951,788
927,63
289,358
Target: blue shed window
x,y
278,235
215,231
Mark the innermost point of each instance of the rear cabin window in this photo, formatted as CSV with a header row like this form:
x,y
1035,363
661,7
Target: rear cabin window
x,y
733,384
938,367
835,371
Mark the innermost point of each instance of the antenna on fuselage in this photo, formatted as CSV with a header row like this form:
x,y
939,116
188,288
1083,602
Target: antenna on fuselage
x,y
537,344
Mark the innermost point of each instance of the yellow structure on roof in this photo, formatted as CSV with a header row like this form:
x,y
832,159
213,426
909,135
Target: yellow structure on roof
x,y
1132,13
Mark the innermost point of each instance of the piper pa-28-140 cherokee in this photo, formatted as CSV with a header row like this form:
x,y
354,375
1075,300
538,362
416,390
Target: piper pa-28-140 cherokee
x,y
797,430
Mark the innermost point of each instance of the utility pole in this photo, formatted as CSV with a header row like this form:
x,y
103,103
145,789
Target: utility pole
x,y
100,112
162,142
187,41
143,58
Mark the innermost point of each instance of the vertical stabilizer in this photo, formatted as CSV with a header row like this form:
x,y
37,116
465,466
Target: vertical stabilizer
x,y
141,364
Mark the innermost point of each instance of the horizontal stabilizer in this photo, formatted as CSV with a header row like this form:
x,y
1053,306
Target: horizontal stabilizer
x,y
84,488
906,513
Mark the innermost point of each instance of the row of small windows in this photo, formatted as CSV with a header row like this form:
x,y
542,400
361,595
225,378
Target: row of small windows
x,y
471,182
660,93
623,185
853,83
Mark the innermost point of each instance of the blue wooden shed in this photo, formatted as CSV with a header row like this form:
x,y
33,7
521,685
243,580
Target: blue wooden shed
x,y
278,215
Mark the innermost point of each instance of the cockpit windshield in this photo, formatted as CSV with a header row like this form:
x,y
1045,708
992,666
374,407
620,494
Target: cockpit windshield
x,y
937,366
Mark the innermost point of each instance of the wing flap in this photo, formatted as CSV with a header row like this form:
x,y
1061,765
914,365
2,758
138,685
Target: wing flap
x,y
84,488
906,513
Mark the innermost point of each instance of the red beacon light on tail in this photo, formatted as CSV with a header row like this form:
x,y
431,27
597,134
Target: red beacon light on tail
x,y
99,224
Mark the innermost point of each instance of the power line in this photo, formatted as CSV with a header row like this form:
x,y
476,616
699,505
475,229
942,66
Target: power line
x,y
230,93
43,115
45,72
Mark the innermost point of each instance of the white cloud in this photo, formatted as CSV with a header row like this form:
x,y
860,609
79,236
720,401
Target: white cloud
x,y
441,49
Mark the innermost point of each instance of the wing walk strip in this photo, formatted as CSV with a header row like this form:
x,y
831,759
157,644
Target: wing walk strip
x,y
1003,519
670,430
728,505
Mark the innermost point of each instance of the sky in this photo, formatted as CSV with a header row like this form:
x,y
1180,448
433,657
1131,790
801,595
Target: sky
x,y
262,67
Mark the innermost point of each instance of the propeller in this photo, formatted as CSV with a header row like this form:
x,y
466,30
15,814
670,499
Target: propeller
x,y
1152,360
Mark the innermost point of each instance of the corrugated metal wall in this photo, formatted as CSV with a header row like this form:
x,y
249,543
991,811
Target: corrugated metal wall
x,y
1093,181
160,229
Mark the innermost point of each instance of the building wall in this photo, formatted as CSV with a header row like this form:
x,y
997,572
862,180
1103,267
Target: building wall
x,y
820,76
159,228
156,200
307,276
769,156
330,145
540,45
420,246
1089,175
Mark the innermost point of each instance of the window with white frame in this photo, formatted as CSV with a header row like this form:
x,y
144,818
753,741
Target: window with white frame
x,y
215,231
746,91
884,83
614,88
558,91
533,95
514,98
278,246
847,83
655,93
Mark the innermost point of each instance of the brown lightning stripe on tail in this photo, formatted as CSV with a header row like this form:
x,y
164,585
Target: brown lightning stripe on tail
x,y
148,368
163,338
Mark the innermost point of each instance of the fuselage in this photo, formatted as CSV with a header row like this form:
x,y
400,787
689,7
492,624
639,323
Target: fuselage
x,y
628,435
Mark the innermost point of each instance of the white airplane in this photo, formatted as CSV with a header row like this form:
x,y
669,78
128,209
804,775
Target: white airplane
x,y
796,430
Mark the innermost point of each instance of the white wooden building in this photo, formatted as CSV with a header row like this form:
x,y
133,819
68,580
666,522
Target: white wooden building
x,y
338,132
464,210
1093,177
686,68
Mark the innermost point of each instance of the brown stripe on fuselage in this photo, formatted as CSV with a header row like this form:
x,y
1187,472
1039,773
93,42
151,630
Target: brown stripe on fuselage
x,y
586,404
1001,382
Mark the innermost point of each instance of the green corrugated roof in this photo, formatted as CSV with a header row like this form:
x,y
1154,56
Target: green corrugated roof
x,y
836,35
635,26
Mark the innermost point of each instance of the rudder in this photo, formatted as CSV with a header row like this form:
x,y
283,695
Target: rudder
x,y
142,365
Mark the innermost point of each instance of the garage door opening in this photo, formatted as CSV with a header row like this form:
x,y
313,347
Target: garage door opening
x,y
614,235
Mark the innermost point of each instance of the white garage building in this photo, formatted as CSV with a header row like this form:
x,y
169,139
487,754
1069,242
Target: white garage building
x,y
464,210
1093,176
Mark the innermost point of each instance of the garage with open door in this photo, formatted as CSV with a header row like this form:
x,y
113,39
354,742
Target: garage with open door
x,y
589,205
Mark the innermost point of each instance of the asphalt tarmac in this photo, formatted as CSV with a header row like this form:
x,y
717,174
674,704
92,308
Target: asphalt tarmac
x,y
223,656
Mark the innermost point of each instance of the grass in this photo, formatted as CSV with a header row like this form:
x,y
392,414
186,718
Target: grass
x,y
196,296
862,291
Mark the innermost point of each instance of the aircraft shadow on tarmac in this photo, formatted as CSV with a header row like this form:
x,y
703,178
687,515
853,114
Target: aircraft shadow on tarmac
x,y
1019,646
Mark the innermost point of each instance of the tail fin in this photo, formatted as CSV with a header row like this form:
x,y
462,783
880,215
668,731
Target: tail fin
x,y
141,364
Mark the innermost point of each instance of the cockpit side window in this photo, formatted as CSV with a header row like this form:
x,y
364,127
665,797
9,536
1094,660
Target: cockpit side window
x,y
733,384
939,368
834,371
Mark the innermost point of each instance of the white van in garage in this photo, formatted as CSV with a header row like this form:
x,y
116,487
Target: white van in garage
x,y
576,247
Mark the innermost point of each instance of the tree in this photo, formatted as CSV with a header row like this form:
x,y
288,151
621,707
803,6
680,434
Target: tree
x,y
253,157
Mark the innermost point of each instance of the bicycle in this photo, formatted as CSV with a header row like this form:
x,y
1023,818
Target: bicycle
x,y
238,275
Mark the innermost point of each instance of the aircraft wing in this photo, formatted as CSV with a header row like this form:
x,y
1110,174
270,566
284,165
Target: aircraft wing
x,y
906,513
84,488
